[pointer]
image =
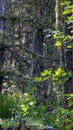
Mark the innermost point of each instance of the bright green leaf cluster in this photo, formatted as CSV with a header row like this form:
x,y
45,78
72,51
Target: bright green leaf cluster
x,y
58,77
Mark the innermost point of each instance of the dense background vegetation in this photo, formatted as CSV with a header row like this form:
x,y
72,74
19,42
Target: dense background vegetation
x,y
36,62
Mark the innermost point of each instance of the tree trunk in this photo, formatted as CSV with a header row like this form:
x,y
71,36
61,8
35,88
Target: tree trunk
x,y
69,57
38,39
2,28
59,27
38,48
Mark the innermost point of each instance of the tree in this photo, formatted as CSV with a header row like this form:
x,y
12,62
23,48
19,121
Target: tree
x,y
65,52
69,50
2,29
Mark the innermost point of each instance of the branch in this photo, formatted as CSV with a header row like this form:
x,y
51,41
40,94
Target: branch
x,y
26,49
32,52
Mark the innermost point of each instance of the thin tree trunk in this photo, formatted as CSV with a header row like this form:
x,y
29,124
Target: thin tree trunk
x,y
59,27
60,48
38,48
38,40
2,28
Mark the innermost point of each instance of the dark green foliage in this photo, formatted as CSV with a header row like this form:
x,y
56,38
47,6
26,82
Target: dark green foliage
x,y
7,105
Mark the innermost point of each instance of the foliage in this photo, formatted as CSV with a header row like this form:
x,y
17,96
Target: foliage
x,y
62,119
26,105
7,105
60,36
68,12
9,123
70,100
36,115
58,76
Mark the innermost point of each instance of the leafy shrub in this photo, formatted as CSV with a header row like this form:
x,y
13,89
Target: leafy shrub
x,y
7,105
61,119
10,123
70,100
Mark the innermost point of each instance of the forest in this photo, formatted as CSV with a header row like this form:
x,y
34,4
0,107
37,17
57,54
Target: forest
x,y
36,64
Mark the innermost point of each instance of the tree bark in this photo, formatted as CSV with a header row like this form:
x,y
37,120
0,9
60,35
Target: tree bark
x,y
2,28
38,49
59,27
69,56
38,40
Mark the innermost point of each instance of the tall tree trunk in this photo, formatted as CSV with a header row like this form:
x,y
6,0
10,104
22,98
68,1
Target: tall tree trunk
x,y
2,28
38,40
59,27
68,86
60,48
69,57
38,48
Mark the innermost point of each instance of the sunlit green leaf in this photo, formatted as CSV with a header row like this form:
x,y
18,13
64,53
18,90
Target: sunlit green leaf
x,y
70,46
38,79
66,3
58,43
45,72
71,94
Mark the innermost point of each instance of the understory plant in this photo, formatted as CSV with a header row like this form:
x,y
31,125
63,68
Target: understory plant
x,y
7,105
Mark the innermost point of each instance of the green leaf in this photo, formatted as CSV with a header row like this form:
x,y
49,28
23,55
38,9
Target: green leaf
x,y
70,45
45,73
70,18
60,72
67,11
66,3
38,79
58,43
71,94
